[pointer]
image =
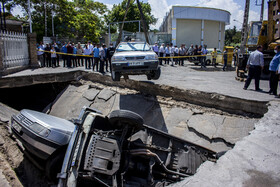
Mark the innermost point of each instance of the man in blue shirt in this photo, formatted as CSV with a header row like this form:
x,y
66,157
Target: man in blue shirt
x,y
64,50
96,57
75,64
273,80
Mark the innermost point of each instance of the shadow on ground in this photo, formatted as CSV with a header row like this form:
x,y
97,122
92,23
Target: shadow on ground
x,y
147,107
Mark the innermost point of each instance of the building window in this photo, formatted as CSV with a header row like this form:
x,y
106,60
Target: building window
x,y
273,13
277,21
274,3
276,31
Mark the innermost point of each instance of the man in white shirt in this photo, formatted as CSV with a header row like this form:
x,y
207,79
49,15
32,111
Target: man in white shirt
x,y
88,52
204,51
182,52
172,53
161,53
255,65
40,54
91,47
176,54
167,54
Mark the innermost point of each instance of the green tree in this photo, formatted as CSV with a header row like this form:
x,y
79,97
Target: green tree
x,y
76,19
118,11
232,36
86,22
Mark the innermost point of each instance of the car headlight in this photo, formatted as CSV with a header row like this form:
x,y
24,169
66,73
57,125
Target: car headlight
x,y
118,58
151,57
36,127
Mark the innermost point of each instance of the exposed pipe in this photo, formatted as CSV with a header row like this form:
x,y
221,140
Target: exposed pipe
x,y
149,153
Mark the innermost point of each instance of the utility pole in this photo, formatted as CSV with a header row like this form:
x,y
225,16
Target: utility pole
x,y
244,32
121,29
46,26
143,21
262,9
29,15
52,23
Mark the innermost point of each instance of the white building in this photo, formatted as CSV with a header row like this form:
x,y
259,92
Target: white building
x,y
196,25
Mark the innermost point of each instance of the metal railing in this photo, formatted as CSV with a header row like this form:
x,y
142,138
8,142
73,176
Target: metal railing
x,y
14,49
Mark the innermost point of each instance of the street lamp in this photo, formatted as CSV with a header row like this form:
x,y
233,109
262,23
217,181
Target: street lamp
x,y
237,21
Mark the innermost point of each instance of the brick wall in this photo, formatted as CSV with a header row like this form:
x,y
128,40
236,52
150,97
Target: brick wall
x,y
32,50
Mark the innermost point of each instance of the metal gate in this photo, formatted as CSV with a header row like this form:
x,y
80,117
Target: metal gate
x,y
14,49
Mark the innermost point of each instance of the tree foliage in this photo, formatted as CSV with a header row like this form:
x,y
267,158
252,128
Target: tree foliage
x,y
118,11
74,19
232,37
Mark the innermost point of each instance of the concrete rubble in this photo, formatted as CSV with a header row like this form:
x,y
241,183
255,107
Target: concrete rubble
x,y
254,161
211,130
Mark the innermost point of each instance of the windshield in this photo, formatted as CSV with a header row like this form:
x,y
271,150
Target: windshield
x,y
256,28
254,33
133,47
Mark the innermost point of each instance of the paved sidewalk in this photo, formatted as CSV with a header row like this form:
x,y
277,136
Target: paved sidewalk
x,y
189,77
207,80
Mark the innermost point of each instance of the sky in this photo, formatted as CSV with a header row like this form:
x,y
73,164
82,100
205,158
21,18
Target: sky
x,y
161,7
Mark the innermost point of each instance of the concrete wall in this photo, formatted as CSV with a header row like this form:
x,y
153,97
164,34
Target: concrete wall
x,y
197,25
188,32
199,32
201,13
214,34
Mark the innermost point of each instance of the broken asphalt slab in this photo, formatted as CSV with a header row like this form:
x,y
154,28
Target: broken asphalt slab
x,y
254,161
189,123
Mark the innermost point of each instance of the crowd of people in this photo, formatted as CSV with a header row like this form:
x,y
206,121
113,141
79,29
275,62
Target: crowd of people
x,y
92,55
177,55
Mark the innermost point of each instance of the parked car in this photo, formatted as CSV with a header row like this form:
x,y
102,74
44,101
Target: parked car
x,y
208,60
120,150
219,59
45,137
135,58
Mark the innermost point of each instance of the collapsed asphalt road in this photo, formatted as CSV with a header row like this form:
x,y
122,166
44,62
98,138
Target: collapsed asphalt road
x,y
209,127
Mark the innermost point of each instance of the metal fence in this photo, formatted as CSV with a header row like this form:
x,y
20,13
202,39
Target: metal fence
x,y
14,49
